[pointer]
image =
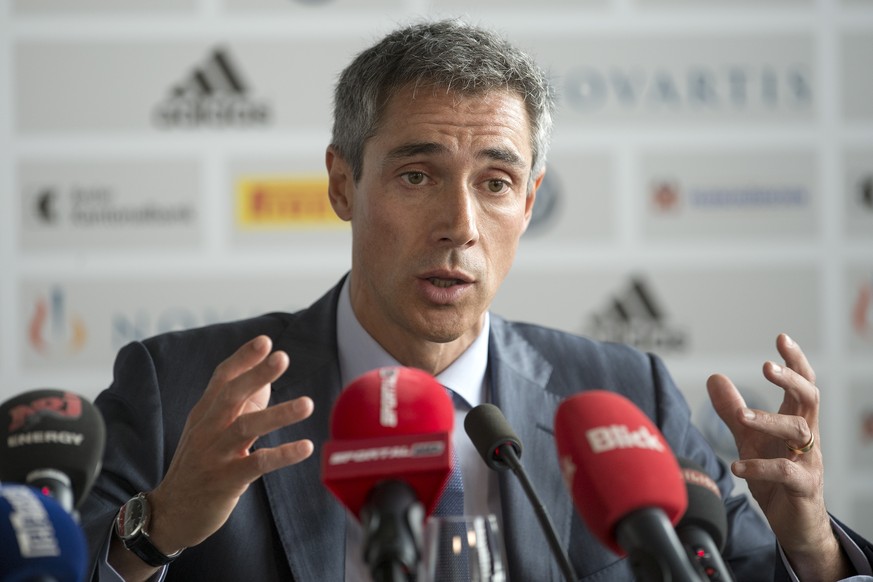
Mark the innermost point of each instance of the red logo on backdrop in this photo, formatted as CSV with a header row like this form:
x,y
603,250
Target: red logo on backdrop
x,y
867,426
51,326
665,195
68,406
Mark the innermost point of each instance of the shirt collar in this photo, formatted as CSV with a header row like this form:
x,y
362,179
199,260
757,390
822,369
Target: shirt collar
x,y
359,353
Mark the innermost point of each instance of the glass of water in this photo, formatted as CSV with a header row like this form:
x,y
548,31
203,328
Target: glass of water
x,y
463,548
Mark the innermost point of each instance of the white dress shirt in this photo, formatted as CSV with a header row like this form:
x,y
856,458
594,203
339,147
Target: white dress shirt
x,y
359,353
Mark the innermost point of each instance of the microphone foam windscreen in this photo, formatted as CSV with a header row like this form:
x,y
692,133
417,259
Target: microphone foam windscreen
x,y
705,506
391,401
390,423
489,430
38,539
51,429
615,461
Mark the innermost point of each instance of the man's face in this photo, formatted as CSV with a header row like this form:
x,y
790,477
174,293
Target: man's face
x,y
436,215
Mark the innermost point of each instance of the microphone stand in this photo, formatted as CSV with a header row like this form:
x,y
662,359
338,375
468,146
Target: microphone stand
x,y
653,549
392,519
509,456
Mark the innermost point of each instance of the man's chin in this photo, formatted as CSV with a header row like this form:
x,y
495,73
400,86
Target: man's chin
x,y
447,330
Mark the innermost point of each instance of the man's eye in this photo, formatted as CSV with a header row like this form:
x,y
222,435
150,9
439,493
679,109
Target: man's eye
x,y
496,185
415,178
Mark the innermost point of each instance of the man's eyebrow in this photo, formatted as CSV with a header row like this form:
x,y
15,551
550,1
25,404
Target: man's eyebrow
x,y
503,155
409,150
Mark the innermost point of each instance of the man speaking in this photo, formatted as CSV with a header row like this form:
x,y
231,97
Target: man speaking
x,y
439,144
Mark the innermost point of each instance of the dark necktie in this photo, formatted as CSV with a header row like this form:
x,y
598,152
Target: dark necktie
x,y
451,504
452,500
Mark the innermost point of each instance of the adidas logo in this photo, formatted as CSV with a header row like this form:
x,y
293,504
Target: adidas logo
x,y
636,318
214,94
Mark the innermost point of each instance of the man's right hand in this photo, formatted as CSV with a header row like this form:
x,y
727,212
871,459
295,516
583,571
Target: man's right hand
x,y
213,465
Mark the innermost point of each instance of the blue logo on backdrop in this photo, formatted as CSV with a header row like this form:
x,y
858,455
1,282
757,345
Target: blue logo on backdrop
x,y
143,323
546,205
742,196
669,195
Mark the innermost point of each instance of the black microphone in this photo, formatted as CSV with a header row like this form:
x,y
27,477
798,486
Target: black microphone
x,y
703,528
52,440
500,448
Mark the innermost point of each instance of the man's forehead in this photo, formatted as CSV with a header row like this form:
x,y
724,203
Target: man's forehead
x,y
504,154
398,121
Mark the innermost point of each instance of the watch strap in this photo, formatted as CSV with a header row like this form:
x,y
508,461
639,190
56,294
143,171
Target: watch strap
x,y
143,547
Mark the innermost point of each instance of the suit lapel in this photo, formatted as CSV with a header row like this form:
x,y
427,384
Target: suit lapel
x,y
519,376
307,516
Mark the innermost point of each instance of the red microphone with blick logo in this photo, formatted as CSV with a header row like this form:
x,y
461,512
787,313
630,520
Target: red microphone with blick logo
x,y
625,481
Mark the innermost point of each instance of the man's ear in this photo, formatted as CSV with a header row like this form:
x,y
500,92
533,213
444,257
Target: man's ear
x,y
531,198
340,184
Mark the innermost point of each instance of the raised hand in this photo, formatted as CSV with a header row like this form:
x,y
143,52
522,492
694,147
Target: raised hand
x,y
780,458
213,465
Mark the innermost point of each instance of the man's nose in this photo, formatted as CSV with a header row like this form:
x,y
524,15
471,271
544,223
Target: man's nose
x,y
457,217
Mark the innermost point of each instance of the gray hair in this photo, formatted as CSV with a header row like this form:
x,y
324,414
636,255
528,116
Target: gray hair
x,y
447,54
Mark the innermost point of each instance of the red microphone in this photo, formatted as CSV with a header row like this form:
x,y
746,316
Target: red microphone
x,y
625,482
388,461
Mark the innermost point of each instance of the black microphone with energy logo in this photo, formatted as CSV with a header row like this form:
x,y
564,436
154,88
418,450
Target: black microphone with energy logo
x,y
51,450
52,440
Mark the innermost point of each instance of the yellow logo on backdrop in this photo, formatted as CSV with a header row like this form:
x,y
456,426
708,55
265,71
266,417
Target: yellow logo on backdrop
x,y
284,202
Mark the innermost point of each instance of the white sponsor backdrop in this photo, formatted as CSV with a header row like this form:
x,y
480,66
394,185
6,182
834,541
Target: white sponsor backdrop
x,y
711,183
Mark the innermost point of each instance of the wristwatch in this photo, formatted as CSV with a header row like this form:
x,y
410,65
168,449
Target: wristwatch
x,y
130,526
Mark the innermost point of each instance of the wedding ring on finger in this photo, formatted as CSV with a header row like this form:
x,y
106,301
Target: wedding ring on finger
x,y
805,448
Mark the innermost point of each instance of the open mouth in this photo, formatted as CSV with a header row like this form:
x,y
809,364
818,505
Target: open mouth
x,y
444,283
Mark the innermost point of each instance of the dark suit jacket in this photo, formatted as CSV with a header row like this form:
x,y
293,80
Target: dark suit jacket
x,y
287,526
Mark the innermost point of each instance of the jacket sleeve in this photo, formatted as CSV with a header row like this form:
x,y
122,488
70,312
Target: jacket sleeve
x,y
135,455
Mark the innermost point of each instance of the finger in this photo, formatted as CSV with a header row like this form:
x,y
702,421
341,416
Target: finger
x,y
264,461
248,427
264,373
241,391
802,394
726,400
779,471
245,358
794,357
789,428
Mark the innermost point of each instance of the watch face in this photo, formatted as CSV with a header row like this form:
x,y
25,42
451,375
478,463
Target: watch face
x,y
132,517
